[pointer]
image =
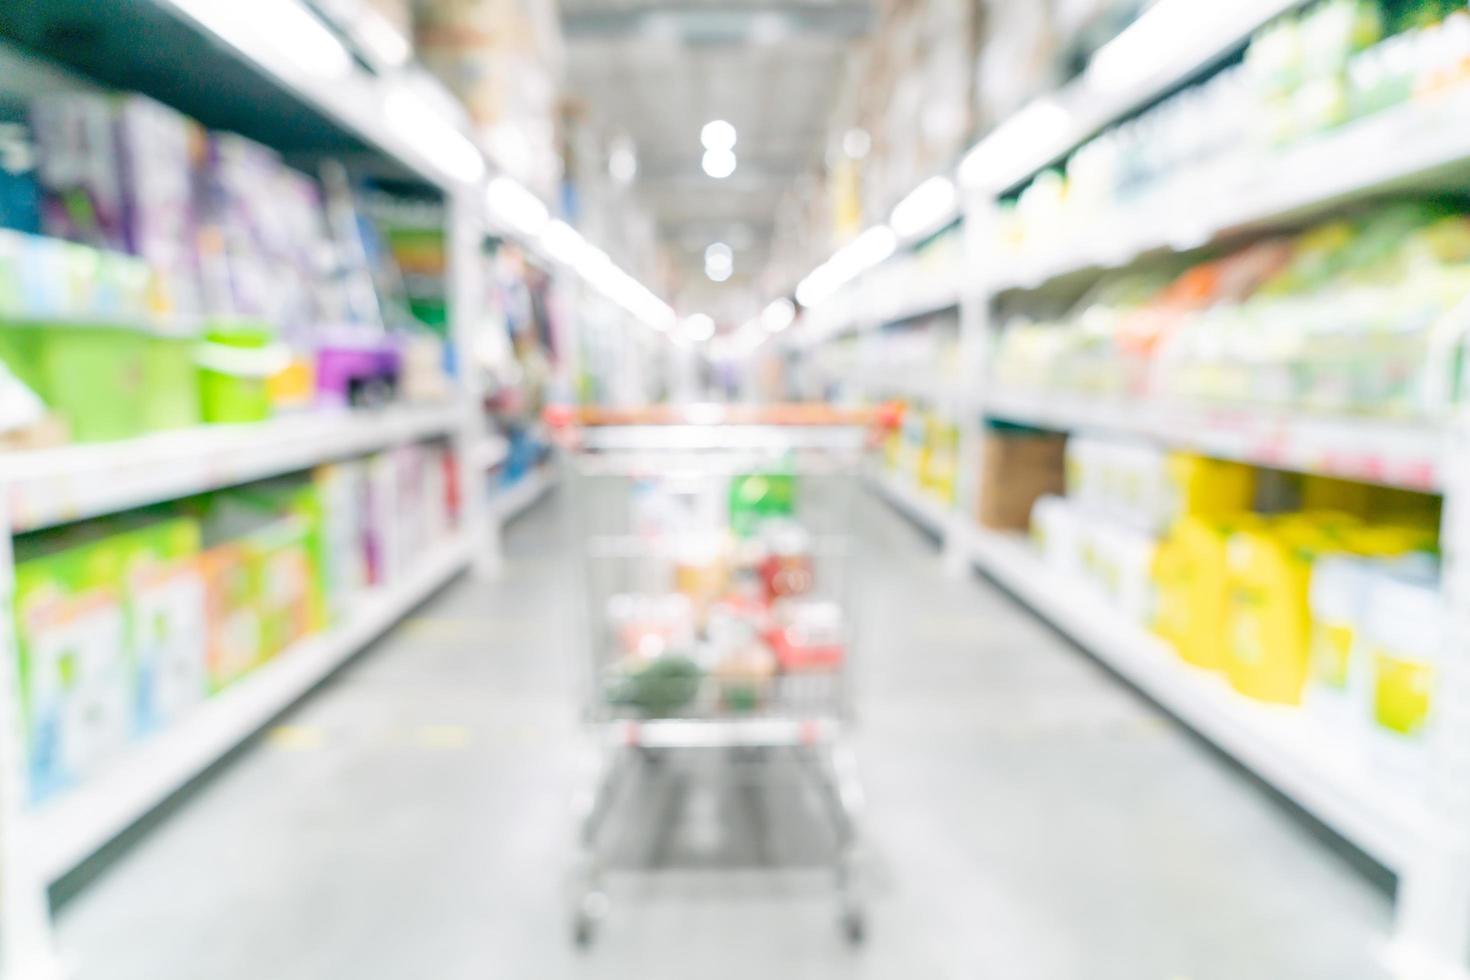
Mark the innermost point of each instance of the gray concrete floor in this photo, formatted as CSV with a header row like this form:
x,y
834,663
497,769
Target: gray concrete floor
x,y
1028,818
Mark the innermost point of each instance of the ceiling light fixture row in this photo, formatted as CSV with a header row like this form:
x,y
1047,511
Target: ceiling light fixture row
x,y
926,209
849,262
719,262
513,208
718,138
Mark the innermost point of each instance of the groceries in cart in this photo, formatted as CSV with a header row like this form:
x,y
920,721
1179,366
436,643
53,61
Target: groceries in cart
x,y
729,619
716,545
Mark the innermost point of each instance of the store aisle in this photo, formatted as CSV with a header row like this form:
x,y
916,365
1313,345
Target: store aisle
x,y
1028,818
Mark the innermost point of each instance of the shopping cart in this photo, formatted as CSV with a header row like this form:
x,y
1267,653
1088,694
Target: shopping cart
x,y
715,544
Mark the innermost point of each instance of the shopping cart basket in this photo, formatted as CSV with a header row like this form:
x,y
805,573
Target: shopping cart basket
x,y
715,546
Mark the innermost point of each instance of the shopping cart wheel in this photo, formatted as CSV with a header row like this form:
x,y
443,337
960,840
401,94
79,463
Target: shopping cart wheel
x,y
590,912
854,926
584,930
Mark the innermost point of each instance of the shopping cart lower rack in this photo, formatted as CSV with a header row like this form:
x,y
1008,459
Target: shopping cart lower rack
x,y
715,546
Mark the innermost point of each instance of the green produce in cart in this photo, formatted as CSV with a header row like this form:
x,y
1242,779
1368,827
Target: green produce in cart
x,y
659,688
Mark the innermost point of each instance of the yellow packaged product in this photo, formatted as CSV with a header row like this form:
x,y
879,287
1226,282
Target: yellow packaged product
x,y
1204,487
1269,571
1405,631
1191,594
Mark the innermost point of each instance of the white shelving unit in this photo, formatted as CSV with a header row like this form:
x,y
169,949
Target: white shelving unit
x,y
1282,745
66,832
1399,454
278,59
1415,144
71,483
1420,832
273,71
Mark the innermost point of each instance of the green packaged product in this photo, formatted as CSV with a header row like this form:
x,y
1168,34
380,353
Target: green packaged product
x,y
236,360
758,497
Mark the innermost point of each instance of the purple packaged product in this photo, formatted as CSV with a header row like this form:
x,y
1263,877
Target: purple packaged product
x,y
354,370
78,169
272,233
119,174
161,154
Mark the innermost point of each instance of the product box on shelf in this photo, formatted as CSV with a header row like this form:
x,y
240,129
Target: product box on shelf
x,y
44,279
263,573
1116,559
164,591
119,172
385,545
234,644
75,675
426,497
1018,467
342,488
1405,635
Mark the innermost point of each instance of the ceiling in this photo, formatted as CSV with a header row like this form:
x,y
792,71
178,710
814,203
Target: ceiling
x,y
656,72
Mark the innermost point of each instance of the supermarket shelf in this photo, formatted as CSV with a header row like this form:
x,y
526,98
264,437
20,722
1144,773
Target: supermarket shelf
x,y
514,500
908,307
67,831
226,64
919,507
54,486
914,306
1391,453
1171,44
1413,145
1283,746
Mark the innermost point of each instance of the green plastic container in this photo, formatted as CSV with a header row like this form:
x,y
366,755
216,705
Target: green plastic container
x,y
171,382
92,376
235,363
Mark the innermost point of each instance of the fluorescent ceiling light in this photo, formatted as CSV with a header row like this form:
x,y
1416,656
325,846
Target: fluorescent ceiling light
x,y
435,137
779,315
927,208
270,30
383,41
719,262
1154,42
717,135
1025,141
516,208
562,242
862,253
869,248
719,164
699,327
567,246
